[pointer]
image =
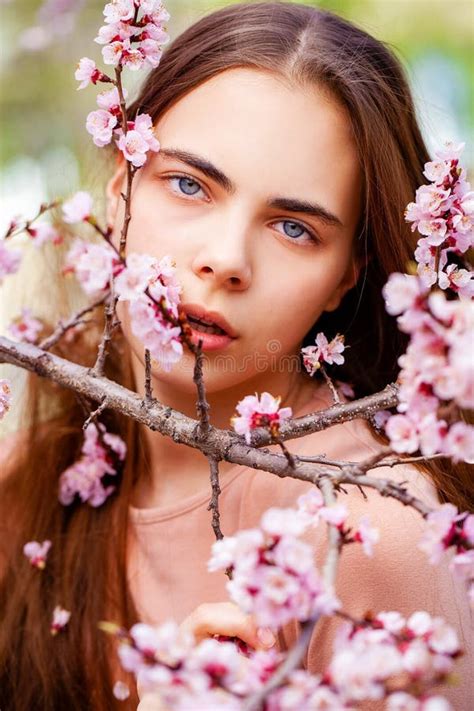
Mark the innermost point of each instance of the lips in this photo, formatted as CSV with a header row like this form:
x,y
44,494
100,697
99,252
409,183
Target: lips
x,y
213,318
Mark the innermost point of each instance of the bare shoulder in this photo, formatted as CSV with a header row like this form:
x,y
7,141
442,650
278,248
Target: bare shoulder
x,y
10,445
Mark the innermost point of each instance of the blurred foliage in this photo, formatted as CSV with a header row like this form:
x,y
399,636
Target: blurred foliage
x,y
42,114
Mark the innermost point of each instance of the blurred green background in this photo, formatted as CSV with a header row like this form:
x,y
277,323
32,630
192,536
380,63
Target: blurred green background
x,y
44,148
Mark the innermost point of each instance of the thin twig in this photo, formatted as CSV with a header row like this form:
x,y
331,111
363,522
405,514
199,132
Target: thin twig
x,y
148,387
111,323
202,406
214,502
95,414
330,384
72,321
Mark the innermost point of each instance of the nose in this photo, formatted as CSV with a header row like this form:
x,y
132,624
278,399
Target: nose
x,y
224,259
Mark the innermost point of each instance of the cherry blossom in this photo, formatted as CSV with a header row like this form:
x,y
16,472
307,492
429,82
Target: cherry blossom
x,y
5,397
255,411
138,140
100,124
78,208
367,535
9,260
121,691
109,100
93,265
60,619
273,571
323,351
37,552
87,73
42,233
25,328
101,453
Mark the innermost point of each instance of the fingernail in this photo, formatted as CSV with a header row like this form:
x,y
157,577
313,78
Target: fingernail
x,y
266,636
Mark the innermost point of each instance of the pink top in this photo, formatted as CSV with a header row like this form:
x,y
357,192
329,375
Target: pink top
x,y
170,546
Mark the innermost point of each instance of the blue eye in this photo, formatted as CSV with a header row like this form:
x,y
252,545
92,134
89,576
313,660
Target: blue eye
x,y
296,230
186,186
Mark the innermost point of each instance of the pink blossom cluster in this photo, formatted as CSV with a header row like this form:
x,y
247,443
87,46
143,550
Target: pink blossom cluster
x,y
146,282
25,328
443,213
213,673
436,369
37,553
94,265
323,352
369,659
274,576
101,454
43,232
259,412
60,619
311,510
10,260
132,42
446,528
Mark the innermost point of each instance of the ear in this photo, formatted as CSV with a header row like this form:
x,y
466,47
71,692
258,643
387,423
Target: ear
x,y
113,190
347,282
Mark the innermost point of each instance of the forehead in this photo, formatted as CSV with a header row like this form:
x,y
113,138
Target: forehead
x,y
269,137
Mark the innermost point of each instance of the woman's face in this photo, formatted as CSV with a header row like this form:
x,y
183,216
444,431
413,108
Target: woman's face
x,y
237,154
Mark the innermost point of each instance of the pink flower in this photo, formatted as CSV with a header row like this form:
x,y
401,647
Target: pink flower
x,y
137,275
9,260
60,619
138,140
437,171
326,352
117,30
112,53
279,522
459,280
400,293
159,337
121,691
367,535
87,73
259,412
109,100
335,515
402,433
78,208
100,124
37,553
450,151
119,11
439,531
459,442
93,265
42,233
25,328
85,477
5,397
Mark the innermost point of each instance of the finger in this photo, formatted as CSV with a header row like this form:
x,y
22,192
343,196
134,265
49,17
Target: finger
x,y
225,618
152,702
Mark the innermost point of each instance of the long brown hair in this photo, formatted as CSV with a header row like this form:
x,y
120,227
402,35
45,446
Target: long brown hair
x,y
86,569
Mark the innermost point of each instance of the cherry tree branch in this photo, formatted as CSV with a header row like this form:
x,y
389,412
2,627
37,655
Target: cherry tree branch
x,y
220,444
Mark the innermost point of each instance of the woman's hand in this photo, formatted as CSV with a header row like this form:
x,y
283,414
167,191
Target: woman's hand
x,y
207,620
225,618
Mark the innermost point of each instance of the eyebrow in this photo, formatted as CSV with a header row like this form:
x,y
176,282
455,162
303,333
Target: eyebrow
x,y
281,203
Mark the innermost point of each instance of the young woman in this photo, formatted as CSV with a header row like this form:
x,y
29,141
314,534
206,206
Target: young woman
x,y
289,149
